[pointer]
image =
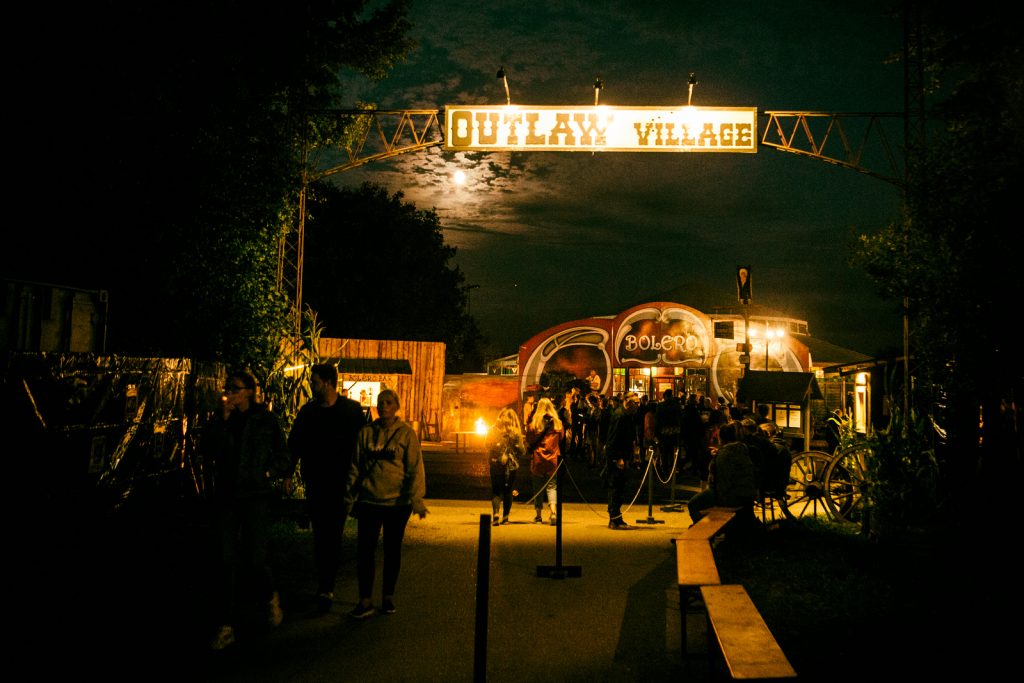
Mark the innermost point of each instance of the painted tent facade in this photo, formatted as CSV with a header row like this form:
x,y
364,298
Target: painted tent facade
x,y
656,346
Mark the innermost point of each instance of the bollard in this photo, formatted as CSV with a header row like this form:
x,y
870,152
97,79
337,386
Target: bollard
x,y
483,565
650,491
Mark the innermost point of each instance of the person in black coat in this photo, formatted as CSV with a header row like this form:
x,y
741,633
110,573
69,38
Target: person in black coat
x,y
322,441
620,449
247,453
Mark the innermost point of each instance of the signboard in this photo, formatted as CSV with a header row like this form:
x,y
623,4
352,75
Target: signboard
x,y
743,287
725,329
495,128
664,337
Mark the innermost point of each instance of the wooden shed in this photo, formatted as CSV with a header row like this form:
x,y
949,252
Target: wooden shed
x,y
414,369
790,395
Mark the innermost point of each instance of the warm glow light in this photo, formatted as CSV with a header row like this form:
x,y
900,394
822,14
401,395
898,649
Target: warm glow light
x,y
481,426
459,177
770,334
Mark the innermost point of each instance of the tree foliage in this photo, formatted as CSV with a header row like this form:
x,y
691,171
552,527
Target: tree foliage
x,y
195,118
376,267
953,255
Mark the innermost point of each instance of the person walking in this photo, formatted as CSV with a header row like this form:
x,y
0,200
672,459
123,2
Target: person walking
x,y
545,437
386,485
248,453
322,442
506,448
619,453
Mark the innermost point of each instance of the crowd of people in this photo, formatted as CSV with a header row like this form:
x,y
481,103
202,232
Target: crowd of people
x,y
370,470
614,433
373,471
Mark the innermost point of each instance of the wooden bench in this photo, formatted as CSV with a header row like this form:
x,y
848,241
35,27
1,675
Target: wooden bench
x,y
737,632
695,562
695,567
713,521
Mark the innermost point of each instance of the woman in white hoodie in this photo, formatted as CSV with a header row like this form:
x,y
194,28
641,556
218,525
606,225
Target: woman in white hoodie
x,y
386,484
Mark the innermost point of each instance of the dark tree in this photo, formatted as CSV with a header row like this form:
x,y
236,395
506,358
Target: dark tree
x,y
955,254
180,137
376,267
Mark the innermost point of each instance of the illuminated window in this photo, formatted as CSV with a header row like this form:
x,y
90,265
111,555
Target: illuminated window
x,y
363,392
619,380
860,404
787,415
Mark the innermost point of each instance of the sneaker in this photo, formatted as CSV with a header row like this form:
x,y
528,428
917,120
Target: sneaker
x,y
324,601
360,612
537,519
494,520
387,606
225,636
554,520
274,616
504,520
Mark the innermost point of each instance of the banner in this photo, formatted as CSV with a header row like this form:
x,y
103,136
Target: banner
x,y
600,129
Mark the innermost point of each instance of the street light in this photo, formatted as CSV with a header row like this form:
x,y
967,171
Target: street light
x,y
770,334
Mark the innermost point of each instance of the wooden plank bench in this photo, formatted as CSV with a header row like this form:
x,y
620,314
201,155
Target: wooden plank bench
x,y
695,567
713,521
738,633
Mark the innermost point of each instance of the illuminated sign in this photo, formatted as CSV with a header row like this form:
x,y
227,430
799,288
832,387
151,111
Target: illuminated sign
x,y
665,337
600,129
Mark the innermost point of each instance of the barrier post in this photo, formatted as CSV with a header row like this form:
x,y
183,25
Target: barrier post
x,y
558,571
483,564
673,506
650,491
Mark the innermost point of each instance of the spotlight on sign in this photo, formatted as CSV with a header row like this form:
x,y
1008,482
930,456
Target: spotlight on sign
x,y
504,81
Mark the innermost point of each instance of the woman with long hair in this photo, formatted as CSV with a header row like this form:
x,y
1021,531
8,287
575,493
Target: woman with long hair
x,y
544,438
506,448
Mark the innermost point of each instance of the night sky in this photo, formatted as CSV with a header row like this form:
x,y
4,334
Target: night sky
x,y
551,237
548,237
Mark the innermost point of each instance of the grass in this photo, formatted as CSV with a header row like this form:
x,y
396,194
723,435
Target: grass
x,y
844,607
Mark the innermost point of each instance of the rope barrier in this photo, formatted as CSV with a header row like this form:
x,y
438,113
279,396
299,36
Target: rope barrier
x,y
603,513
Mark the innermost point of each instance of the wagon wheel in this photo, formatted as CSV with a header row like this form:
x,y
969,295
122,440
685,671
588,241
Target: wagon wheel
x,y
806,490
846,484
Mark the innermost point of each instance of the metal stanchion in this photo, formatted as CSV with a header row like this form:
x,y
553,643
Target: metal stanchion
x,y
673,506
558,570
483,566
650,491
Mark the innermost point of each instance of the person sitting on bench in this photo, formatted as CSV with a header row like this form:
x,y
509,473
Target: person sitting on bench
x,y
732,480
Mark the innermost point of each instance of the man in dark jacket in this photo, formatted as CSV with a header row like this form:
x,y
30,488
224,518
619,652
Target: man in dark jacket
x,y
669,425
322,441
619,450
248,453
